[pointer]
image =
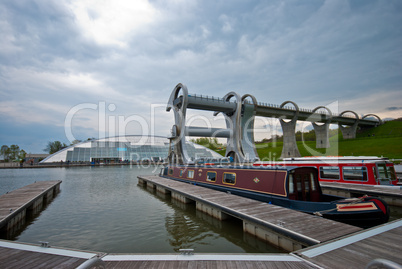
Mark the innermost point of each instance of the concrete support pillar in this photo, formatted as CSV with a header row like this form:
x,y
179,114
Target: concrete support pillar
x,y
181,198
49,196
349,132
36,206
151,186
212,211
162,190
289,148
322,131
322,136
17,221
272,237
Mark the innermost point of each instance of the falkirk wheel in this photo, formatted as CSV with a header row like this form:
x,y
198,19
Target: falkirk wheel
x,y
239,113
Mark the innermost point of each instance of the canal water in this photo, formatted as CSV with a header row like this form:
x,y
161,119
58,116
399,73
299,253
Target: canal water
x,y
104,209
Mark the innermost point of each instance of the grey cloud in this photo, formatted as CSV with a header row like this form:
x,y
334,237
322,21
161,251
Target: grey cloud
x,y
307,52
394,108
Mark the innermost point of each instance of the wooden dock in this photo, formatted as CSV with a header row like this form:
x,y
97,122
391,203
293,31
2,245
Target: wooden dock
x,y
232,261
16,205
334,245
22,255
285,228
390,194
359,249
352,251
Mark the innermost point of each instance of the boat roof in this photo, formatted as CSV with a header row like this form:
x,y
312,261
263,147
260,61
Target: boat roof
x,y
329,160
352,158
276,167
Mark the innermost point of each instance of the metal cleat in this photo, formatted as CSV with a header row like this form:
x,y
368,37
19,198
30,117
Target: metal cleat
x,y
44,244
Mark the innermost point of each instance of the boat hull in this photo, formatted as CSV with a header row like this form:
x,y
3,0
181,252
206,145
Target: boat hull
x,y
363,212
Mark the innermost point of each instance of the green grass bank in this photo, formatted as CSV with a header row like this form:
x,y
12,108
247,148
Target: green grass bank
x,y
384,140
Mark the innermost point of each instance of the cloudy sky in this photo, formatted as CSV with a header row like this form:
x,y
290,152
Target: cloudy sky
x,y
74,69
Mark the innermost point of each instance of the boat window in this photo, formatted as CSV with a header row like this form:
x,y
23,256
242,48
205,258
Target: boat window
x,y
211,176
190,174
229,178
385,173
313,187
291,184
306,193
355,173
375,173
329,172
298,183
181,172
170,171
306,183
382,171
391,172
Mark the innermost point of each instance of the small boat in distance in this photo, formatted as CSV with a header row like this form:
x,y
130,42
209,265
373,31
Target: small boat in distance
x,y
366,170
292,187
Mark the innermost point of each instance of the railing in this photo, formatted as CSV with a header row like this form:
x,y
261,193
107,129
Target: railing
x,y
206,97
217,99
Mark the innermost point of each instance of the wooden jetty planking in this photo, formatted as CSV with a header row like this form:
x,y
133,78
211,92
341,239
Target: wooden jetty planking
x,y
303,228
22,255
239,261
13,205
357,250
391,194
208,264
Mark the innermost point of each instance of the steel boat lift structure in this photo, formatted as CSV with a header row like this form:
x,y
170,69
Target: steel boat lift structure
x,y
296,188
239,122
239,112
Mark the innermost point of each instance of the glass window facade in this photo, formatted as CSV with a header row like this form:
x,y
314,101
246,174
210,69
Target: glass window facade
x,y
128,148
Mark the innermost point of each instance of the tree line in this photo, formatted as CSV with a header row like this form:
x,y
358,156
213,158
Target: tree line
x,y
12,153
55,146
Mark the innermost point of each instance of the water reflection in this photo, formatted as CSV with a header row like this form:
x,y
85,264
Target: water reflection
x,y
395,213
32,213
103,209
191,228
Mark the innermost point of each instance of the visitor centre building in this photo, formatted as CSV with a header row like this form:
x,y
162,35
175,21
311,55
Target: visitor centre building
x,y
132,148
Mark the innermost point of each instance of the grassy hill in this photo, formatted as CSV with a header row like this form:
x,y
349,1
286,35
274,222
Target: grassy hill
x,y
384,140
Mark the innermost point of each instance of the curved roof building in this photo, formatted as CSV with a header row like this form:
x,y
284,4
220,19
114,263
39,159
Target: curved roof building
x,y
125,148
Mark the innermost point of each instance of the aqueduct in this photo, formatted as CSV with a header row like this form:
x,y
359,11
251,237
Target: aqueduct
x,y
239,113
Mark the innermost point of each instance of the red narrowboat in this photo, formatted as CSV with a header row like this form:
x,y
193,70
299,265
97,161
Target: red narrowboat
x,y
355,170
292,187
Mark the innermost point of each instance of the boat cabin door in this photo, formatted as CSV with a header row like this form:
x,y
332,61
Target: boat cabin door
x,y
383,174
303,185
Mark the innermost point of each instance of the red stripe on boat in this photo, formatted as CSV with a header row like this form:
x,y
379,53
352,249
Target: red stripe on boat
x,y
356,206
380,205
